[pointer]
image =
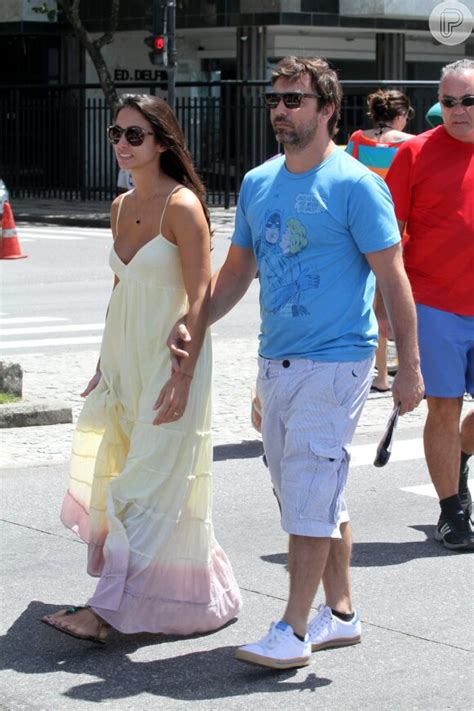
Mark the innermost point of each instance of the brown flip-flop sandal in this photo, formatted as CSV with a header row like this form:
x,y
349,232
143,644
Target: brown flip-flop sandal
x,y
98,638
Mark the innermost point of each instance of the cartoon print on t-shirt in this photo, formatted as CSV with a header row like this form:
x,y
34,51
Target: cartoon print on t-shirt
x,y
272,227
281,267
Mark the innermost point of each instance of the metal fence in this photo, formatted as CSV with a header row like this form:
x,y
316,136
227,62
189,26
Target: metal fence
x,y
53,138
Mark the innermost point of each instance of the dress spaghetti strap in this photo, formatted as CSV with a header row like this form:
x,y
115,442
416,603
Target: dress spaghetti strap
x,y
118,215
166,205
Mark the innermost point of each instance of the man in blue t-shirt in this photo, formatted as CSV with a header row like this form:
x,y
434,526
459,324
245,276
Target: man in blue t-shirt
x,y
318,226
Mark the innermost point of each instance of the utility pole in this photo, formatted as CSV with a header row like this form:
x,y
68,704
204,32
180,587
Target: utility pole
x,y
171,27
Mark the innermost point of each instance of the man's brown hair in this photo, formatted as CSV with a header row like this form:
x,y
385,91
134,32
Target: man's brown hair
x,y
324,82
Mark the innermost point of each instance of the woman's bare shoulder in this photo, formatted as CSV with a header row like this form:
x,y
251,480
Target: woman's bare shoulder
x,y
117,201
398,136
392,136
115,204
184,198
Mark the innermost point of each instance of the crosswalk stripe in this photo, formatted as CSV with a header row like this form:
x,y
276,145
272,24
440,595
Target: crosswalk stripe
x,y
38,343
60,233
30,319
403,450
63,228
422,490
30,330
62,237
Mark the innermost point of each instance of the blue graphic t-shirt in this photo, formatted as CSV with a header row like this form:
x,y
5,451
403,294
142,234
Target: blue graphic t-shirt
x,y
309,232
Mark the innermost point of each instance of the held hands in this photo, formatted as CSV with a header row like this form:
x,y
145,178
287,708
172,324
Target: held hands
x,y
173,398
408,388
179,335
93,383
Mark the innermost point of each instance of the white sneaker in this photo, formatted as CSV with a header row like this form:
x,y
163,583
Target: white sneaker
x,y
325,630
279,649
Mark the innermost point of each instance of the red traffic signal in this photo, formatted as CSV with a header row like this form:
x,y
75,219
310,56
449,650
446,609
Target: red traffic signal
x,y
159,43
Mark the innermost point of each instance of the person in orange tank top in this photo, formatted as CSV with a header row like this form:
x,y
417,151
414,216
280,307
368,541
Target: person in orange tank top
x,y
390,110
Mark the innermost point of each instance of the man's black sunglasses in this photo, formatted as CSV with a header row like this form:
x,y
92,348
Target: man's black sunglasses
x,y
450,103
134,135
291,99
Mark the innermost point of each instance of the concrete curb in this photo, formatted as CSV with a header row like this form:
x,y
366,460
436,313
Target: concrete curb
x,y
33,414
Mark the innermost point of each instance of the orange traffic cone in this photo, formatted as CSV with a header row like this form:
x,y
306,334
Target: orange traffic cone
x,y
9,245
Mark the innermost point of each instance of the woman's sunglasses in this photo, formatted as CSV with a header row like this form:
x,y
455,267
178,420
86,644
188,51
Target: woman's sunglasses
x,y
291,99
450,103
134,135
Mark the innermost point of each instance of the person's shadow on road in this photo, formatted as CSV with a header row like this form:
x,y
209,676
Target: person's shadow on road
x,y
380,553
32,648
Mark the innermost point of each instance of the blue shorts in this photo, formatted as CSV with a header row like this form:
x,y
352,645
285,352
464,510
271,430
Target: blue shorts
x,y
447,352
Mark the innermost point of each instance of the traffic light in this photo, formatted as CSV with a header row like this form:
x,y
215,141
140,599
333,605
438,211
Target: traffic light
x,y
158,42
159,53
158,45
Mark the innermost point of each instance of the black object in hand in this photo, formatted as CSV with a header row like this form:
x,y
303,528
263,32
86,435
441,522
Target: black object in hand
x,y
384,449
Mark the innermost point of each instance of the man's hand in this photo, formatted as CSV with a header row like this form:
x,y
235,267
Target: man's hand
x,y
179,335
92,384
408,388
172,400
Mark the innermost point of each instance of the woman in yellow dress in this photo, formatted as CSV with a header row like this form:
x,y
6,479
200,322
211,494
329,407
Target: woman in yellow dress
x,y
140,490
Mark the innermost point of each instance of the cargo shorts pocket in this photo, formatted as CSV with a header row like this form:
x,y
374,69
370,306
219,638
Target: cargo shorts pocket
x,y
322,484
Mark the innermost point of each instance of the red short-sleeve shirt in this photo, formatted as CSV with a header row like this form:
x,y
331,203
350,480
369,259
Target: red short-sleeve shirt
x,y
432,184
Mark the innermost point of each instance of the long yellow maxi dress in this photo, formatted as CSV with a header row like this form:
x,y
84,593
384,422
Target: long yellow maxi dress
x,y
141,495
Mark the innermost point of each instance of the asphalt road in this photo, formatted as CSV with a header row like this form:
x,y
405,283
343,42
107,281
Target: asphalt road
x,y
414,598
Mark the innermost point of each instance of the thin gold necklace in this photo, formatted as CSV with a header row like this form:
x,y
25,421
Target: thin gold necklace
x,y
138,219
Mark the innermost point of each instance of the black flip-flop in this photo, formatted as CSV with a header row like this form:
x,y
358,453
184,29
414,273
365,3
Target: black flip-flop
x,y
88,638
375,389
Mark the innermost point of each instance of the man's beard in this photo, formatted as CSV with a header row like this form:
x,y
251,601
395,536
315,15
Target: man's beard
x,y
296,139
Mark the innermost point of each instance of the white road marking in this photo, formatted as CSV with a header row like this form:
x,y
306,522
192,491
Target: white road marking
x,y
51,329
30,319
422,489
61,237
37,343
82,232
403,450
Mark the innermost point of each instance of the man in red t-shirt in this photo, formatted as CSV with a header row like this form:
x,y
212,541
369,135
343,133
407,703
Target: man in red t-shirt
x,y
432,184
